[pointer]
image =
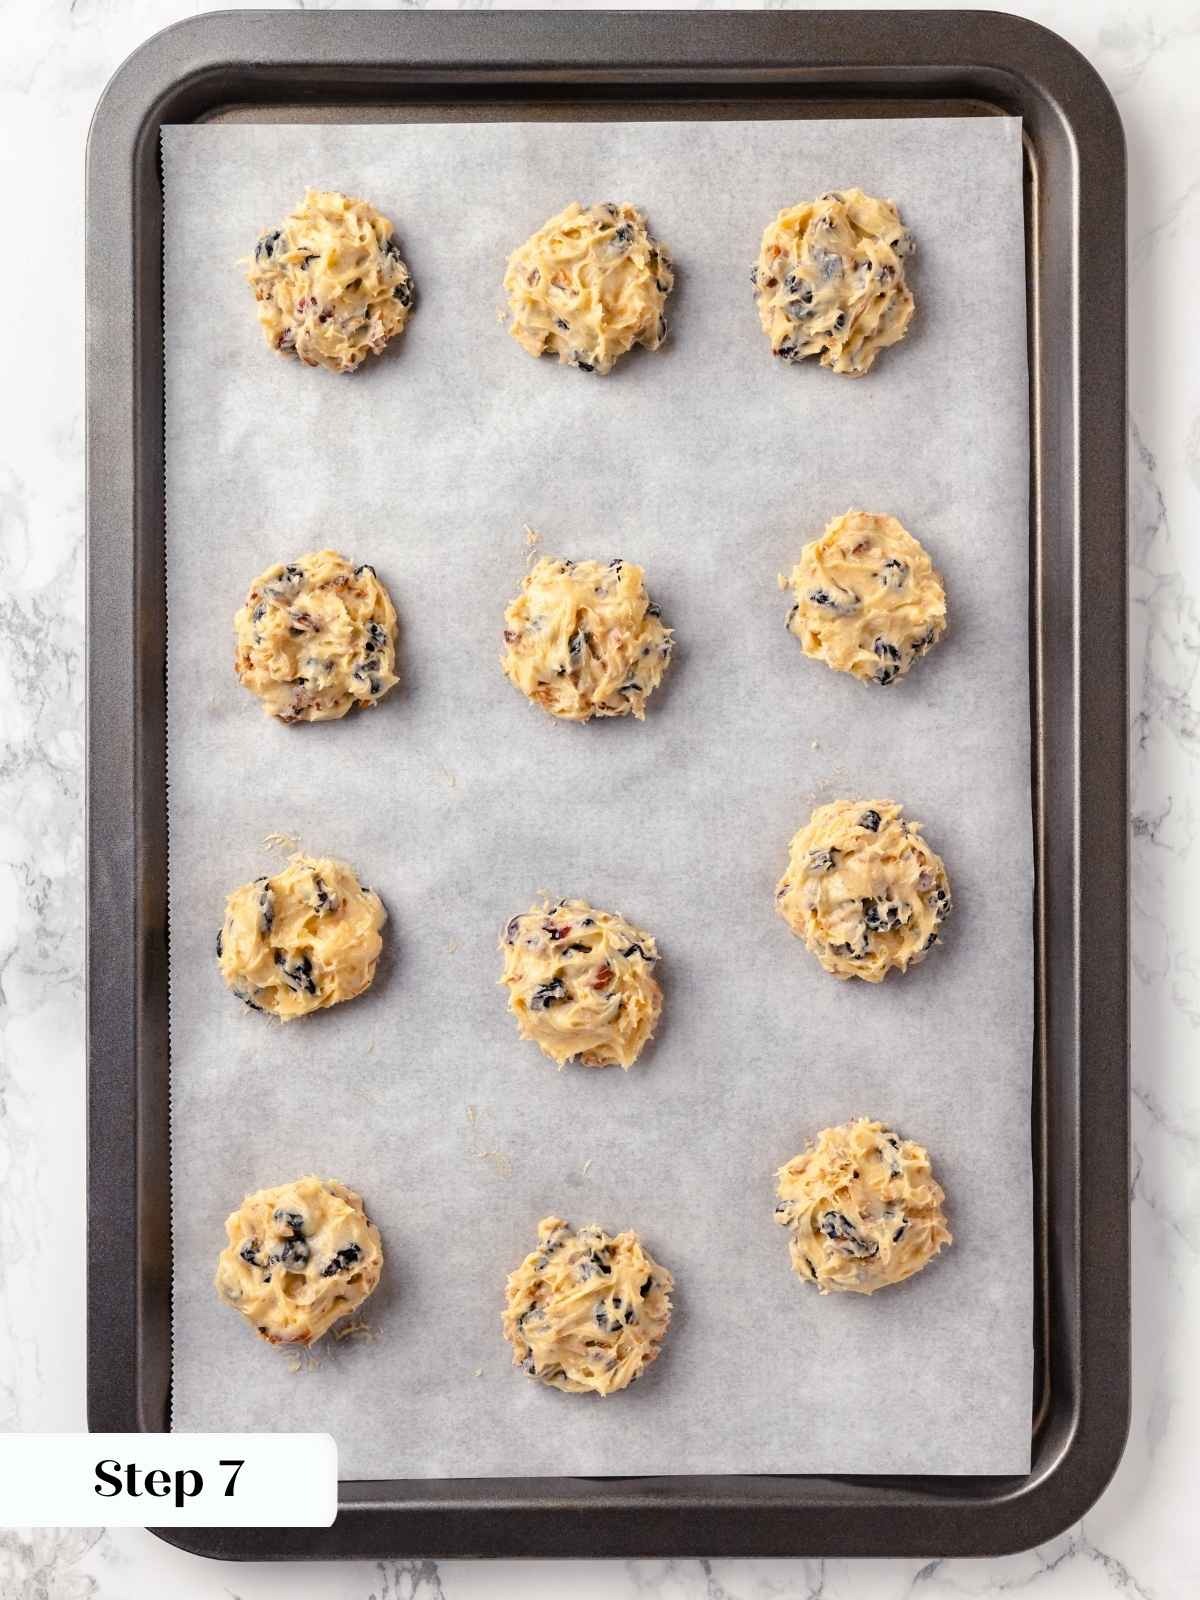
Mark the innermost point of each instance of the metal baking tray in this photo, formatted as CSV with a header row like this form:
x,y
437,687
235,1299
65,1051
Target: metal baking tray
x,y
439,66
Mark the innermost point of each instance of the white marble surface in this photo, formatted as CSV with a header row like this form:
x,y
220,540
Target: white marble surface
x,y
1143,1537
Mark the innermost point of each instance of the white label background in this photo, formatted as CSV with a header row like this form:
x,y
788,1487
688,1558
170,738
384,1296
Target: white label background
x,y
287,1480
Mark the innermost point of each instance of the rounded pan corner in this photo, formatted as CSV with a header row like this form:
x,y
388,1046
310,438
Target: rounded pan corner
x,y
1057,69
1047,1504
148,72
204,1542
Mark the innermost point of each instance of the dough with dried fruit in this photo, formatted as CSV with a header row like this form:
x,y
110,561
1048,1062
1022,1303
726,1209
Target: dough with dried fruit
x,y
830,281
581,983
585,640
862,1207
865,598
588,286
330,282
306,938
584,1312
316,637
863,889
299,1257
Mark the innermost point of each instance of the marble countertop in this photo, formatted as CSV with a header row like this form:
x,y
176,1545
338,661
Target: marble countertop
x,y
1143,1537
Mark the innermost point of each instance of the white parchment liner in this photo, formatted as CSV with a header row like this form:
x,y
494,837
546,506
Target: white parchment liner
x,y
711,464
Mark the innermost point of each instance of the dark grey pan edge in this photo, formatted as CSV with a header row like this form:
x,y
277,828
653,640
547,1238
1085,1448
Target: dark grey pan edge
x,y
332,65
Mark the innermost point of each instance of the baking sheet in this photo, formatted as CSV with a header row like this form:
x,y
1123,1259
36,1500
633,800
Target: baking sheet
x,y
711,465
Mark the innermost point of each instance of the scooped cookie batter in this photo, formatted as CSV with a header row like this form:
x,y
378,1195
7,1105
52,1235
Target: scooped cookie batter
x,y
863,889
330,282
584,1312
588,286
862,1207
315,637
298,1258
581,983
307,938
830,281
866,599
584,640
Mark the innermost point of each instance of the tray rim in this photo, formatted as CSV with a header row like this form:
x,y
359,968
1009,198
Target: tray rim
x,y
986,58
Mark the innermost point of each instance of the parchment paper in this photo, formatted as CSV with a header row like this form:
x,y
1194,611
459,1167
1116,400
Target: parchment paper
x,y
711,465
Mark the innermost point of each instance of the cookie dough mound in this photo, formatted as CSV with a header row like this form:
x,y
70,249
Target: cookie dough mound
x,y
584,640
307,938
588,286
298,1258
330,282
830,281
586,1313
863,889
581,983
315,637
866,598
862,1207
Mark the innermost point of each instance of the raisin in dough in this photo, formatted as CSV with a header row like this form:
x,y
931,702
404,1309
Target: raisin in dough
x,y
584,640
581,983
830,281
866,599
862,1207
298,1258
863,889
330,282
586,1313
588,286
307,938
316,637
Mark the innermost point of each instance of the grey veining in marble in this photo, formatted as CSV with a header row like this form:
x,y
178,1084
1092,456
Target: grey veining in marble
x,y
1142,1539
